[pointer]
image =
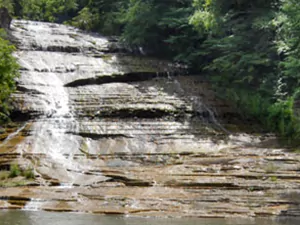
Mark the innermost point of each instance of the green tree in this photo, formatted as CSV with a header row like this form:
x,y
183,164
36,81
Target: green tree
x,y
249,49
48,10
103,16
8,72
162,28
289,42
9,4
240,41
254,51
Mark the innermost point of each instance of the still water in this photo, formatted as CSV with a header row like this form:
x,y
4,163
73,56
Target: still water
x,y
47,218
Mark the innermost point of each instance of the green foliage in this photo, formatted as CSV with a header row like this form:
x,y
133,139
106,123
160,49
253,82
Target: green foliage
x,y
163,28
28,173
9,4
8,71
138,31
14,171
84,20
251,104
273,178
281,118
241,48
181,40
47,10
289,41
104,16
257,69
249,49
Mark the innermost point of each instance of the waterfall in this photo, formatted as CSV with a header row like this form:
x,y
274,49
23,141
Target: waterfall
x,y
199,107
49,131
34,205
114,133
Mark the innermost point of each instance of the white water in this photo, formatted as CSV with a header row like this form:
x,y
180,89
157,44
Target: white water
x,y
199,105
54,132
33,205
49,131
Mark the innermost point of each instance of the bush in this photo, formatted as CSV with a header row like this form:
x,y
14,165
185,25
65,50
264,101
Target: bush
x,y
8,72
28,173
14,171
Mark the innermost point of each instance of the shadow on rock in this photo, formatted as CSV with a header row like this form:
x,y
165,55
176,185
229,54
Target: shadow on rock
x,y
293,200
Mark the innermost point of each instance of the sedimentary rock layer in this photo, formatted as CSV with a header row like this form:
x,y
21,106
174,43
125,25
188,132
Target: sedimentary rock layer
x,y
108,132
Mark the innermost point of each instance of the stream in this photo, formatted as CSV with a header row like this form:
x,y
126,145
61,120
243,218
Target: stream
x,y
47,218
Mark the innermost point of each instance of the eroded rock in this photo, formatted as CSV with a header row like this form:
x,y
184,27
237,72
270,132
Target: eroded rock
x,y
112,133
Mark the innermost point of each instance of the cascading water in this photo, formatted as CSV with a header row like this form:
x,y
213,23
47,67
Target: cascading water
x,y
199,107
33,205
49,131
43,73
115,133
56,132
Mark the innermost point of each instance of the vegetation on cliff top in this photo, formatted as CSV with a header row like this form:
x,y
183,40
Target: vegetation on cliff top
x,y
249,49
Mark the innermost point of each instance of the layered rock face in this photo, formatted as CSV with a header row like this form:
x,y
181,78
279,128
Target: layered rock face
x,y
108,132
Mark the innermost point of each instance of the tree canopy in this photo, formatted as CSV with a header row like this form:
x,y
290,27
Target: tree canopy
x,y
250,50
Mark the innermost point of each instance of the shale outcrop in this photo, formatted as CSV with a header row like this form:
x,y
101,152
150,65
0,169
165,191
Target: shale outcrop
x,y
105,131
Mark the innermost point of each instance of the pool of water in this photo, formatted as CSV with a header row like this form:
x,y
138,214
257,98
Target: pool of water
x,y
47,218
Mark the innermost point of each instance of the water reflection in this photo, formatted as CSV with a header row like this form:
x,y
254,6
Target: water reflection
x,y
46,218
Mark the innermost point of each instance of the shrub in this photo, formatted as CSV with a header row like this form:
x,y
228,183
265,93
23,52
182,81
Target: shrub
x,y
28,173
14,171
8,72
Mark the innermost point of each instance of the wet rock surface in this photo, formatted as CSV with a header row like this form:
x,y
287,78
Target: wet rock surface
x,y
111,133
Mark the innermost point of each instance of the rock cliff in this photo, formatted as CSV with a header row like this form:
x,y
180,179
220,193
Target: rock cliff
x,y
108,132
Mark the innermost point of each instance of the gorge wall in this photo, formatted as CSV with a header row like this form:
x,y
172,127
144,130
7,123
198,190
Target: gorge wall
x,y
109,132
